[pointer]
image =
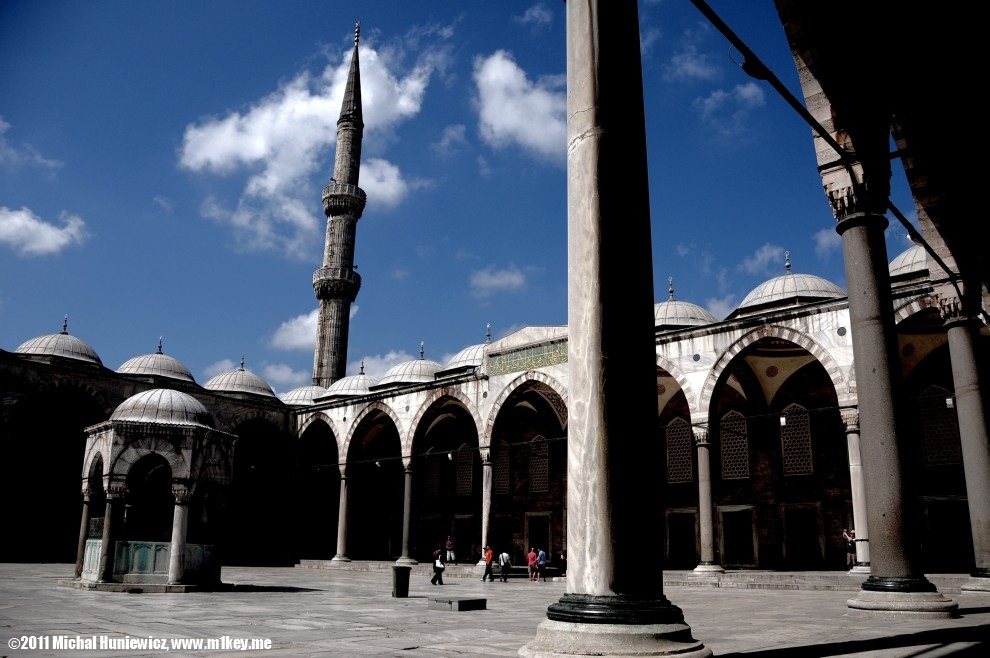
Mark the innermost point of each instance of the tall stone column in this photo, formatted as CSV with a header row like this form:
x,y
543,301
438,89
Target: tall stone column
x,y
114,509
407,513
850,418
706,524
486,498
614,605
180,522
83,532
962,331
341,555
896,582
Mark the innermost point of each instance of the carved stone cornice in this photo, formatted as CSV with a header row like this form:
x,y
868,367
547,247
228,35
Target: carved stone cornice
x,y
343,199
336,283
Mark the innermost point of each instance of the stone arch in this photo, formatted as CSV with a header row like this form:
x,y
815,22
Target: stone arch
x,y
445,391
559,405
914,306
359,418
675,372
770,331
138,448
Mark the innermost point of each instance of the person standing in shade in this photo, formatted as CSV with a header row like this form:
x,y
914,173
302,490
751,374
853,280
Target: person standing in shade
x,y
531,563
541,565
503,566
450,550
489,556
850,537
438,566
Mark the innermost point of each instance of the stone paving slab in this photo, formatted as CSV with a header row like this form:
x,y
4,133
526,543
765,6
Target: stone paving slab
x,y
328,612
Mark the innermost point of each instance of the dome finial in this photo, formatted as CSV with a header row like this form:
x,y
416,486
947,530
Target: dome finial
x,y
488,333
357,32
159,344
787,261
670,281
242,362
65,325
362,366
422,345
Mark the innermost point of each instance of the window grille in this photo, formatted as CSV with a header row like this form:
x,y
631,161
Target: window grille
x,y
680,465
465,470
795,441
939,428
539,466
501,469
431,476
734,439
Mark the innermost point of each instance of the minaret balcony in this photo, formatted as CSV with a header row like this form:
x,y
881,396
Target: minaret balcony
x,y
343,199
336,283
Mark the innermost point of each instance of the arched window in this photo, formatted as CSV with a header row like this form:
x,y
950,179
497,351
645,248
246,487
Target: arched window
x,y
939,427
795,441
500,470
539,465
734,439
680,465
465,470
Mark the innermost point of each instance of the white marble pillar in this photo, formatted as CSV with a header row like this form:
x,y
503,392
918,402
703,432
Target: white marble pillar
x,y
850,418
615,603
180,522
708,565
111,518
407,512
341,555
83,532
486,498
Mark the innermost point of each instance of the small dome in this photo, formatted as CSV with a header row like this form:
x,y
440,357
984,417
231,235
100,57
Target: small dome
x,y
156,365
350,386
163,406
240,381
411,372
789,289
304,395
469,357
673,314
61,345
913,260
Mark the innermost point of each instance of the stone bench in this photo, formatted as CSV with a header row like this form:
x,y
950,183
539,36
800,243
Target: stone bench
x,y
455,604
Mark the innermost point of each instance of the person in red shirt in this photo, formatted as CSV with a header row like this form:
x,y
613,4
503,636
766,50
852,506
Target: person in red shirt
x,y
489,556
531,560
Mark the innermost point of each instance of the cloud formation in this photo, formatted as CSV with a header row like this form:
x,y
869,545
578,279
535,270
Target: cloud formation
x,y
766,260
727,111
27,155
513,110
29,235
539,15
298,333
489,280
377,365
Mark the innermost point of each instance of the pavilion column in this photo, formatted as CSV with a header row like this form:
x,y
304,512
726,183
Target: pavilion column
x,y
896,582
614,605
83,532
180,523
850,418
341,555
486,498
111,518
407,513
962,329
705,506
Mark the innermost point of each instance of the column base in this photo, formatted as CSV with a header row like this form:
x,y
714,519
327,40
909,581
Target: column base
x,y
979,581
860,569
340,558
405,560
899,604
709,567
562,639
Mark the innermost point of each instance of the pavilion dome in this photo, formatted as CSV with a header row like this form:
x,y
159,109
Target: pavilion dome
x,y
156,365
675,314
163,406
469,357
304,395
913,260
240,381
61,345
350,386
789,290
411,372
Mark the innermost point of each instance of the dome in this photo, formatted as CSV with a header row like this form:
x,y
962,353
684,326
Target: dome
x,y
913,260
62,345
156,365
240,381
673,314
351,386
163,406
304,395
469,357
411,372
789,289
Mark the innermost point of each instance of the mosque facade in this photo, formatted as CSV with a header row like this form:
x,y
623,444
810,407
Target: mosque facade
x,y
758,415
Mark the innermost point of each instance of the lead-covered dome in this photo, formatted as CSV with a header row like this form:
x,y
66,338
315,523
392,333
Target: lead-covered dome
x,y
350,386
61,345
674,314
411,372
788,290
163,406
470,357
304,395
156,365
912,261
240,381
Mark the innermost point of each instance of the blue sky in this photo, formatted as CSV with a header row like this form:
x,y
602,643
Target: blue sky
x,y
161,166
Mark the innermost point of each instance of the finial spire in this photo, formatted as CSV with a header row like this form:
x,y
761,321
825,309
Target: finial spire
x,y
65,325
422,346
362,366
159,344
242,362
670,281
787,261
357,32
488,333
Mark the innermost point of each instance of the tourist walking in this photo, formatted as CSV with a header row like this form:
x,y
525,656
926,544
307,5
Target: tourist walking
x,y
438,566
503,566
541,565
489,556
531,563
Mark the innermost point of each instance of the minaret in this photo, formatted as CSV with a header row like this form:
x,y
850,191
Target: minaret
x,y
337,283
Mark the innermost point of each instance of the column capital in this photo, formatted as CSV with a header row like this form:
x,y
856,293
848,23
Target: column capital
x,y
954,312
850,418
700,436
116,491
852,220
182,494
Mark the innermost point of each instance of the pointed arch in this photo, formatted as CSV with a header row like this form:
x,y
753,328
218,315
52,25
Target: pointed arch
x,y
558,400
433,398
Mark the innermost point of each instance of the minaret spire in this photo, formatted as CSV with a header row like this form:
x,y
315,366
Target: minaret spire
x,y
336,284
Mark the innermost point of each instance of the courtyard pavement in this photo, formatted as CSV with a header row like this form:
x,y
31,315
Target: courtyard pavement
x,y
332,612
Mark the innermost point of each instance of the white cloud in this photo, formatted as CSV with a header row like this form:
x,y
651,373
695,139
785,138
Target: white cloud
x,y
768,259
163,202
689,64
218,367
298,333
282,141
489,280
284,376
728,111
539,15
452,139
378,365
11,157
827,242
30,235
721,307
514,110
